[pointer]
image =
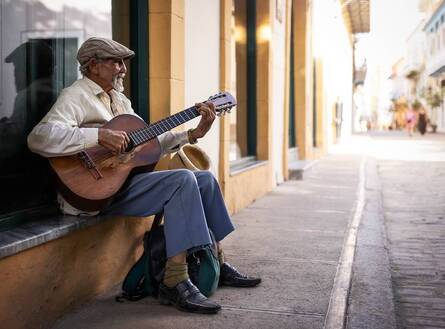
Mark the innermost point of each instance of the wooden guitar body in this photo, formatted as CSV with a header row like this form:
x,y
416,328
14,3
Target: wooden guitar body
x,y
89,179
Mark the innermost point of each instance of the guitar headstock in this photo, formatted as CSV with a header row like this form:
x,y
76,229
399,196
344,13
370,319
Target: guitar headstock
x,y
223,102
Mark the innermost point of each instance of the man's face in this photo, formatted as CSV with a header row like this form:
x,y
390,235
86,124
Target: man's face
x,y
110,73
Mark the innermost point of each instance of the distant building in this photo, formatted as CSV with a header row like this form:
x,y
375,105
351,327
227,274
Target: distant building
x,y
434,29
414,69
421,78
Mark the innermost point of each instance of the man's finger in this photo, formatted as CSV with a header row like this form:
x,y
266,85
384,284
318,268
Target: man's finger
x,y
211,106
115,148
205,113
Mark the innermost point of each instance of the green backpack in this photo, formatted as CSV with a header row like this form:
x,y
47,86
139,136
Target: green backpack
x,y
147,273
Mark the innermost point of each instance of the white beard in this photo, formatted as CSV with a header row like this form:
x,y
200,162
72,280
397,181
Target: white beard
x,y
118,82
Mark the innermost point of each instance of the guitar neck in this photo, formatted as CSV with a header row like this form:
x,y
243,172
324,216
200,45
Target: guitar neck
x,y
143,135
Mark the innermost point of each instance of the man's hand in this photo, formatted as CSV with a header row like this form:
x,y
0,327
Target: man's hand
x,y
208,115
114,140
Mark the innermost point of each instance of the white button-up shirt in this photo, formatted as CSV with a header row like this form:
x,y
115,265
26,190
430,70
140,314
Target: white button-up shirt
x,y
72,125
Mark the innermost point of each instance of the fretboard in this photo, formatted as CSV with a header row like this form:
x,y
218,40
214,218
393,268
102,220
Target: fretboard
x,y
143,135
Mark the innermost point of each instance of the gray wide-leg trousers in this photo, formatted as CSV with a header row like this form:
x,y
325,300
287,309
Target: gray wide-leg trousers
x,y
191,201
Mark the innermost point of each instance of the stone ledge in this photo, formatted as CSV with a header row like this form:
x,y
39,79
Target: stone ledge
x,y
34,233
299,168
243,166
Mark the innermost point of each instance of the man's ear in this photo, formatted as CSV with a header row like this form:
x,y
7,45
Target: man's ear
x,y
93,66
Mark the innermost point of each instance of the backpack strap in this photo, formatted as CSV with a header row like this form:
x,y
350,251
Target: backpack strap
x,y
154,246
138,283
157,220
133,284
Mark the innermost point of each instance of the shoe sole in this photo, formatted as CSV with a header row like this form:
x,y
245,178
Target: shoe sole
x,y
239,285
164,301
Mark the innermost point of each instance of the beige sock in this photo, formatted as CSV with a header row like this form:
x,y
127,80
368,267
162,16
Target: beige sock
x,y
174,273
221,256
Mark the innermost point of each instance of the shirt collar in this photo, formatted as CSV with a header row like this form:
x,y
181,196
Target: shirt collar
x,y
95,88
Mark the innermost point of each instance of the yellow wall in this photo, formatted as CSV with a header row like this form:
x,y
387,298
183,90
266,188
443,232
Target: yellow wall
x,y
287,59
243,188
299,8
166,60
248,186
320,108
40,284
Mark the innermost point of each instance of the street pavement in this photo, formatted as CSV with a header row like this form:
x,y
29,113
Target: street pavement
x,y
413,190
292,238
297,238
399,268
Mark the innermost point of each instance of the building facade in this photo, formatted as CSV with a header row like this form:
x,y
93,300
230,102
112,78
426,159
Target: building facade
x,y
434,30
288,62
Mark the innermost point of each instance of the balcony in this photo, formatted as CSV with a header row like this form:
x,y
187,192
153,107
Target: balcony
x,y
436,64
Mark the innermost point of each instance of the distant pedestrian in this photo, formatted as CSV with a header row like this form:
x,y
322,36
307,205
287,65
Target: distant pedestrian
x,y
422,121
410,120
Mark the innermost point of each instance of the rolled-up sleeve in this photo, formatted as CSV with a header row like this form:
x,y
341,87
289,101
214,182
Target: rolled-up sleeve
x,y
59,132
171,141
55,139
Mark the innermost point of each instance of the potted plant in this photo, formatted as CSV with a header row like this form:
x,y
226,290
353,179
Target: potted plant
x,y
416,105
434,100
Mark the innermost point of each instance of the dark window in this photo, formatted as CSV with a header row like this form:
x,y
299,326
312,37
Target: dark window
x,y
38,46
139,64
292,131
314,104
243,119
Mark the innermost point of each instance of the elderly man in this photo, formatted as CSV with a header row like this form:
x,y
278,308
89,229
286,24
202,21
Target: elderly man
x,y
191,201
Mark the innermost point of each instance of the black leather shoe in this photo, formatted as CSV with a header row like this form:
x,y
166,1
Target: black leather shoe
x,y
230,276
186,297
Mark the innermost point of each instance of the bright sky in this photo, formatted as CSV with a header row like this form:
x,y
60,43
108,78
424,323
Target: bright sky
x,y
392,21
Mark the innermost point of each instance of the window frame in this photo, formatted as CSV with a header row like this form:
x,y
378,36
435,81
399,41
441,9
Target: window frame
x,y
251,90
292,132
251,76
49,208
139,65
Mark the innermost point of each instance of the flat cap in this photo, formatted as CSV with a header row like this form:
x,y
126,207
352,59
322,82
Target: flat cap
x,y
102,48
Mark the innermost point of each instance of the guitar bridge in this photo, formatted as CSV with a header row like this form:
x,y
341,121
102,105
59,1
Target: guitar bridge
x,y
85,158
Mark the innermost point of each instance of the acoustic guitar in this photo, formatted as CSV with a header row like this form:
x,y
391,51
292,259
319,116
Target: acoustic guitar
x,y
89,179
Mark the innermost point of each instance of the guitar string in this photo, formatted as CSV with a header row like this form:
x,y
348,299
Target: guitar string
x,y
163,125
158,128
144,134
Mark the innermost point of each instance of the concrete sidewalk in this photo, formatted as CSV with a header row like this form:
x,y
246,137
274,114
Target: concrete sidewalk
x,y
292,238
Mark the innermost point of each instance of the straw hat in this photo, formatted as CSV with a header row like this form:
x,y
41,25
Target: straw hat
x,y
190,157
